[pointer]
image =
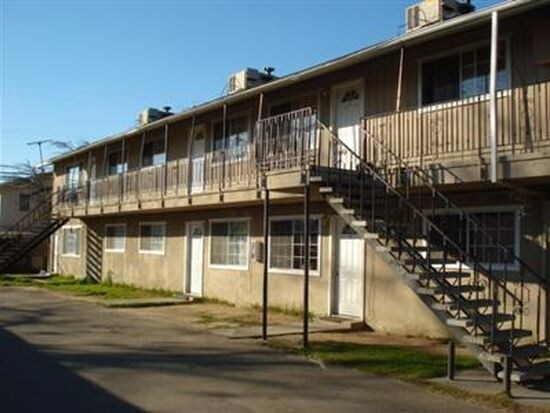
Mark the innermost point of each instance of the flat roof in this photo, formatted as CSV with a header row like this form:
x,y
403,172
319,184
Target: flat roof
x,y
457,24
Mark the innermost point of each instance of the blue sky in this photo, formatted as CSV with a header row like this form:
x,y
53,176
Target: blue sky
x,y
80,70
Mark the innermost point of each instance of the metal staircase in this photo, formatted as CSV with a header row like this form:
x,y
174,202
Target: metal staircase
x,y
490,300
29,231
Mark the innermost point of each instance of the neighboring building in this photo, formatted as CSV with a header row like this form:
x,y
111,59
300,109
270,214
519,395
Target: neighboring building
x,y
18,198
177,202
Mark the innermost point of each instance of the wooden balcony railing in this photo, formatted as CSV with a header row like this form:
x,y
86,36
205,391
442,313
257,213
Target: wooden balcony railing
x,y
460,130
211,172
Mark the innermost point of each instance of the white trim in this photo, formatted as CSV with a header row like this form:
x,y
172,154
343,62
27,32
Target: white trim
x,y
227,266
152,252
291,271
187,260
515,208
115,250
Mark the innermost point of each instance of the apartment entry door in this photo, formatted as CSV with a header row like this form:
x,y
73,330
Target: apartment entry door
x,y
195,258
348,104
197,162
350,257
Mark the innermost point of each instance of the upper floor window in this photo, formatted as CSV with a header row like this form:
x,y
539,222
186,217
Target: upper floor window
x,y
72,176
236,136
462,75
24,202
153,153
115,165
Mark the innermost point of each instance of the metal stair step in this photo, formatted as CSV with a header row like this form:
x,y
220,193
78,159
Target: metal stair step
x,y
335,200
533,371
419,276
433,261
472,304
449,289
500,336
480,319
326,190
358,224
315,179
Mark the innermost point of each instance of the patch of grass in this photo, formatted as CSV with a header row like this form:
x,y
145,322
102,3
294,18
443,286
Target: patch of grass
x,y
84,287
209,300
227,321
400,362
288,311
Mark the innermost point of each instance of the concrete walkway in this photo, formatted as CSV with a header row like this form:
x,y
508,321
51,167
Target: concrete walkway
x,y
67,355
536,394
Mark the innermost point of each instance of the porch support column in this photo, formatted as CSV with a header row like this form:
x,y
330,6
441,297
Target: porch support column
x,y
190,157
265,259
224,127
123,170
493,97
104,174
165,186
88,180
306,260
138,180
400,80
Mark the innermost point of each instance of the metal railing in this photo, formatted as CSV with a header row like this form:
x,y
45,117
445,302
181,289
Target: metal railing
x,y
405,219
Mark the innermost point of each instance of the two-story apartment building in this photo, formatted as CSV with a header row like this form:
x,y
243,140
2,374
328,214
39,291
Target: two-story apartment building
x,y
394,145
18,197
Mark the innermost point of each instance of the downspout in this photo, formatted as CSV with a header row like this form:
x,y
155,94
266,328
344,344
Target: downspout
x,y
400,79
493,97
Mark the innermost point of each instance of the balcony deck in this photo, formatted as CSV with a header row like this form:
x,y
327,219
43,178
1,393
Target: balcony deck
x,y
456,135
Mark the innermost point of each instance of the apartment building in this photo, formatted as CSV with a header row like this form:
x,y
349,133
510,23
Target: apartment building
x,y
409,179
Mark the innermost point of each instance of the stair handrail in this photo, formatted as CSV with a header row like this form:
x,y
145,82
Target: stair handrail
x,y
44,204
422,216
426,178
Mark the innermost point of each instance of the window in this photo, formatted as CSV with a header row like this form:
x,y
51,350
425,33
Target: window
x,y
229,244
462,75
71,240
280,109
501,227
72,177
151,237
153,153
287,248
236,138
115,237
115,164
24,202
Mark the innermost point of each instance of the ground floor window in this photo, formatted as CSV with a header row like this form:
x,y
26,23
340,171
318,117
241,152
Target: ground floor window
x,y
229,243
71,241
115,237
501,227
287,244
152,237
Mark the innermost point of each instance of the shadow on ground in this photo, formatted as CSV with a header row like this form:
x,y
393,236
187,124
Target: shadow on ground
x,y
32,381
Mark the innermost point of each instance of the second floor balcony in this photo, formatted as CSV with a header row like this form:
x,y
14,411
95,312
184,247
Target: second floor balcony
x,y
452,137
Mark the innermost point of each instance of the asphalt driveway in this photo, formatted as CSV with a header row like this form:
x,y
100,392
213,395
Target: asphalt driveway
x,y
64,355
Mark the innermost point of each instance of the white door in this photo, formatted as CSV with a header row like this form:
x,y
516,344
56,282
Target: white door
x,y
197,163
350,259
348,111
195,260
